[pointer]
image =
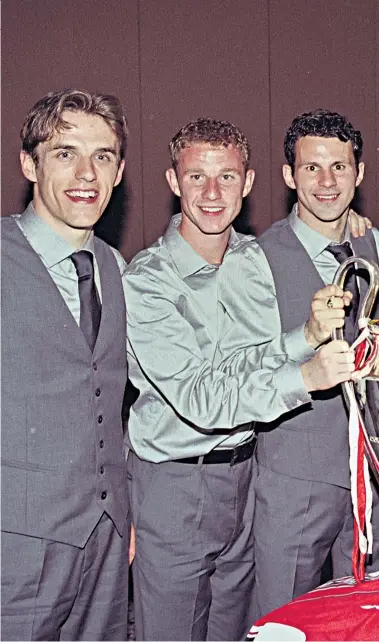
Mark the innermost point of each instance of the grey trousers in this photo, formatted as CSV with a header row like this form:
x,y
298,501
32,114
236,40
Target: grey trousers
x,y
296,524
54,591
194,567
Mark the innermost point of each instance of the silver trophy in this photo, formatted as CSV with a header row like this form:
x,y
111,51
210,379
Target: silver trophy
x,y
365,389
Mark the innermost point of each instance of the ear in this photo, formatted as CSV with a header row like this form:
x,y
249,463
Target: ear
x,y
288,178
361,171
173,181
28,166
249,180
119,173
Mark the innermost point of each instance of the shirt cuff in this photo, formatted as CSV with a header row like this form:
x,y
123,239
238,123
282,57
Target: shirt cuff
x,y
296,346
289,381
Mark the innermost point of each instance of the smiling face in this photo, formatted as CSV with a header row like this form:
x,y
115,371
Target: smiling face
x,y
211,183
325,178
76,172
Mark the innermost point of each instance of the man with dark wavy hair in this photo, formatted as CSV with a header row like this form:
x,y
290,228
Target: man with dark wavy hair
x,y
65,526
303,502
203,378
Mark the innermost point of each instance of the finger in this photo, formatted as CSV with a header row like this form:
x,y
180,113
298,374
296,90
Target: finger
x,y
132,545
328,308
328,291
358,224
333,302
363,224
327,325
344,361
342,377
354,223
337,345
357,374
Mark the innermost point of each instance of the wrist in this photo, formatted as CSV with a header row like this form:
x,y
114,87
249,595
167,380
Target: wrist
x,y
310,337
306,371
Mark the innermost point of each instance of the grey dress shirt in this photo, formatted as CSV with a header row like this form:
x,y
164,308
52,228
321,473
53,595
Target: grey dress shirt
x,y
184,317
315,244
54,251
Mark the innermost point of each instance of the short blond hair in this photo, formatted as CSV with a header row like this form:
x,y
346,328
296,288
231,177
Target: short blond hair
x,y
219,133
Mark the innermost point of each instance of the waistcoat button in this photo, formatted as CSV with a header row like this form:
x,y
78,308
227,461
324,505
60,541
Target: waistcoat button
x,y
103,494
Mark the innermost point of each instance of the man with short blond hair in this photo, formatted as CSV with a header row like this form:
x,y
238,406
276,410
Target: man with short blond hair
x,y
202,381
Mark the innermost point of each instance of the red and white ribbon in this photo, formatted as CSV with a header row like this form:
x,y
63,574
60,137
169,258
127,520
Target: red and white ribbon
x,y
366,350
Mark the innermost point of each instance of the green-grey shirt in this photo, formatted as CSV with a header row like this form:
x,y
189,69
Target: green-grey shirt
x,y
55,252
316,245
201,378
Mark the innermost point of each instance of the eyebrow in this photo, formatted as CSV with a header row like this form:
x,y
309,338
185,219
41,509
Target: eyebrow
x,y
314,162
68,147
106,150
225,170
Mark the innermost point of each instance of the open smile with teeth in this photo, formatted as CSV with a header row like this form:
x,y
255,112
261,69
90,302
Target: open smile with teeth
x,y
327,198
211,210
77,195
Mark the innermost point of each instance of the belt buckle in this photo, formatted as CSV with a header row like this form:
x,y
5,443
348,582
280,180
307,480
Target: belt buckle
x,y
242,452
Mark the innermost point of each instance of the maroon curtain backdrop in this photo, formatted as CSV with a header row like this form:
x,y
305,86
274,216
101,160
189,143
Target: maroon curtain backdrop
x,y
255,62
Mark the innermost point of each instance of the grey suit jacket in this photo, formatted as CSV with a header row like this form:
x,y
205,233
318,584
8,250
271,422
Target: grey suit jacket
x,y
311,442
63,463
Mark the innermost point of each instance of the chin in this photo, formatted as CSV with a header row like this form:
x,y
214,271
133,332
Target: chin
x,y
85,224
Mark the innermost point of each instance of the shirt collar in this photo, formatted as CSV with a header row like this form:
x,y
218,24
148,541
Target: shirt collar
x,y
314,242
187,261
52,247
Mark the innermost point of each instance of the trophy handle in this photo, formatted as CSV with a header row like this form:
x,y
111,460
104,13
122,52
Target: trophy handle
x,y
373,288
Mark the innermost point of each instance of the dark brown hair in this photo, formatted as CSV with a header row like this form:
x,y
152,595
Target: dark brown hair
x,y
45,117
323,123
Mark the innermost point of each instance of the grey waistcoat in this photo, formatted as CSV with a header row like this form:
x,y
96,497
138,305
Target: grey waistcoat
x,y
63,463
310,442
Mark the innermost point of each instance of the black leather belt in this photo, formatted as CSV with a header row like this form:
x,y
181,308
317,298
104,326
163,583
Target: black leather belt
x,y
231,456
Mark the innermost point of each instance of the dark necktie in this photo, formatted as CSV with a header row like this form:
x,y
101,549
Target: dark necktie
x,y
90,309
342,252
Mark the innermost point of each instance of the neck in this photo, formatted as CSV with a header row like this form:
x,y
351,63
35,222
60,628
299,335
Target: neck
x,y
332,230
210,247
77,237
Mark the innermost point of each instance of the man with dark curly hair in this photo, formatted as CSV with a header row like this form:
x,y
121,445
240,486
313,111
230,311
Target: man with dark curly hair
x,y
202,380
303,501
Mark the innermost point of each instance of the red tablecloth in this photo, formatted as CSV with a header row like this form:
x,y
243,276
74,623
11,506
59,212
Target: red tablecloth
x,y
339,610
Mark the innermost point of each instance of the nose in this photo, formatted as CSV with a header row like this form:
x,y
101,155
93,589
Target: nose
x,y
85,170
327,178
211,189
